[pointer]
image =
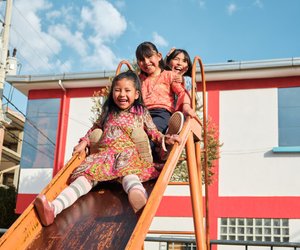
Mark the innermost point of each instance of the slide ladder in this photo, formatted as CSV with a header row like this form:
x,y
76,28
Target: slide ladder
x,y
104,219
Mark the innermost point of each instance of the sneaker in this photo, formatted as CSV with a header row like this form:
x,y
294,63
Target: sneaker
x,y
137,199
175,123
44,209
175,126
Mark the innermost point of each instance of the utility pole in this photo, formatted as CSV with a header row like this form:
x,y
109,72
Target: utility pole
x,y
3,66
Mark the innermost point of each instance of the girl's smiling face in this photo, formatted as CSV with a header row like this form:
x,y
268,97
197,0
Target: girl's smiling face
x,y
179,64
124,93
150,65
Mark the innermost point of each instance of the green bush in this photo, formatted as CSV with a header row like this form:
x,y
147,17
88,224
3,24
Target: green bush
x,y
180,173
7,206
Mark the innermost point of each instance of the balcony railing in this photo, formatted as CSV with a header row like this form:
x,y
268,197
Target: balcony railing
x,y
246,244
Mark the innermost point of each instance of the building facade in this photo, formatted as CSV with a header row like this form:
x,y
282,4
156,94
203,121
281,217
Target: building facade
x,y
11,148
256,107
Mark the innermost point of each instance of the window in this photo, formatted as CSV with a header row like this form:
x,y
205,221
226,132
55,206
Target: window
x,y
289,116
40,133
250,229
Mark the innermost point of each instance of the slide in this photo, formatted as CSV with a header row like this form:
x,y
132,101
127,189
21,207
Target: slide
x,y
102,219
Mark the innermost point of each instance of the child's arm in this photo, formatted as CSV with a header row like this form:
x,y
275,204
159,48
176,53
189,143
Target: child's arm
x,y
184,100
186,107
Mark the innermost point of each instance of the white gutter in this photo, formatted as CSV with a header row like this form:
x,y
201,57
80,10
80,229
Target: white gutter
x,y
61,85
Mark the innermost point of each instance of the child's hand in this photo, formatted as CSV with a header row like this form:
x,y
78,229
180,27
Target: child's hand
x,y
171,139
170,51
178,78
79,147
188,111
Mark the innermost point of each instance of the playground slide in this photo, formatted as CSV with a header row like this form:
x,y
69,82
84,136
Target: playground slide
x,y
102,219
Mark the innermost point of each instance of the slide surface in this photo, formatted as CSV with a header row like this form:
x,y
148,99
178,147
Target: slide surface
x,y
102,219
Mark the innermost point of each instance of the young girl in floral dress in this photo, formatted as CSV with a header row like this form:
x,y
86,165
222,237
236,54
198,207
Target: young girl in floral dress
x,y
117,156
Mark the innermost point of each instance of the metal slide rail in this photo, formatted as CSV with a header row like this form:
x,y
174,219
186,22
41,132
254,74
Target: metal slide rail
x,y
204,168
27,226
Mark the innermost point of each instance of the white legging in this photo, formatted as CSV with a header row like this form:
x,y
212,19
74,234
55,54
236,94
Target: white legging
x,y
70,194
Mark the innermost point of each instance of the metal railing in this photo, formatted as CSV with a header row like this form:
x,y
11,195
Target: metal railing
x,y
246,244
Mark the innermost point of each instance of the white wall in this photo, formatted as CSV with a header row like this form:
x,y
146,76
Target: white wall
x,y
249,131
79,122
294,230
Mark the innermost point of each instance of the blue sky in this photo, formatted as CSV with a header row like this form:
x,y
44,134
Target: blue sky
x,y
53,37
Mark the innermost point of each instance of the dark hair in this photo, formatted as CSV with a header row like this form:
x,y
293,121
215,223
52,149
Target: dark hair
x,y
147,49
186,56
110,106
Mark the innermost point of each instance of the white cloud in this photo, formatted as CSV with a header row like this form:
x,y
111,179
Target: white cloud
x,y
106,25
104,19
53,14
72,40
231,8
102,58
44,32
159,40
35,46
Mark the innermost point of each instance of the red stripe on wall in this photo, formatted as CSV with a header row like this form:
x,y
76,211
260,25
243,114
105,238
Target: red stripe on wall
x,y
283,82
23,201
57,93
61,134
44,94
243,207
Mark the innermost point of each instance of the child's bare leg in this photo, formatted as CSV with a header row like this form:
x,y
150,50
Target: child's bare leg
x,y
137,194
47,211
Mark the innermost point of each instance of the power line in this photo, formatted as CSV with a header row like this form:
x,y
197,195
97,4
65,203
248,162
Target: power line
x,y
33,146
39,35
29,121
34,51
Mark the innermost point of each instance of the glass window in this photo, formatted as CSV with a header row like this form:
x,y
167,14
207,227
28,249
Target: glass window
x,y
40,132
289,116
255,229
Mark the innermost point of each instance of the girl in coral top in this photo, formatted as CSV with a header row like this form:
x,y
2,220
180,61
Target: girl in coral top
x,y
159,88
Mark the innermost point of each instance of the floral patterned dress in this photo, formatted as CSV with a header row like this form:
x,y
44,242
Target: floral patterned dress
x,y
118,155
